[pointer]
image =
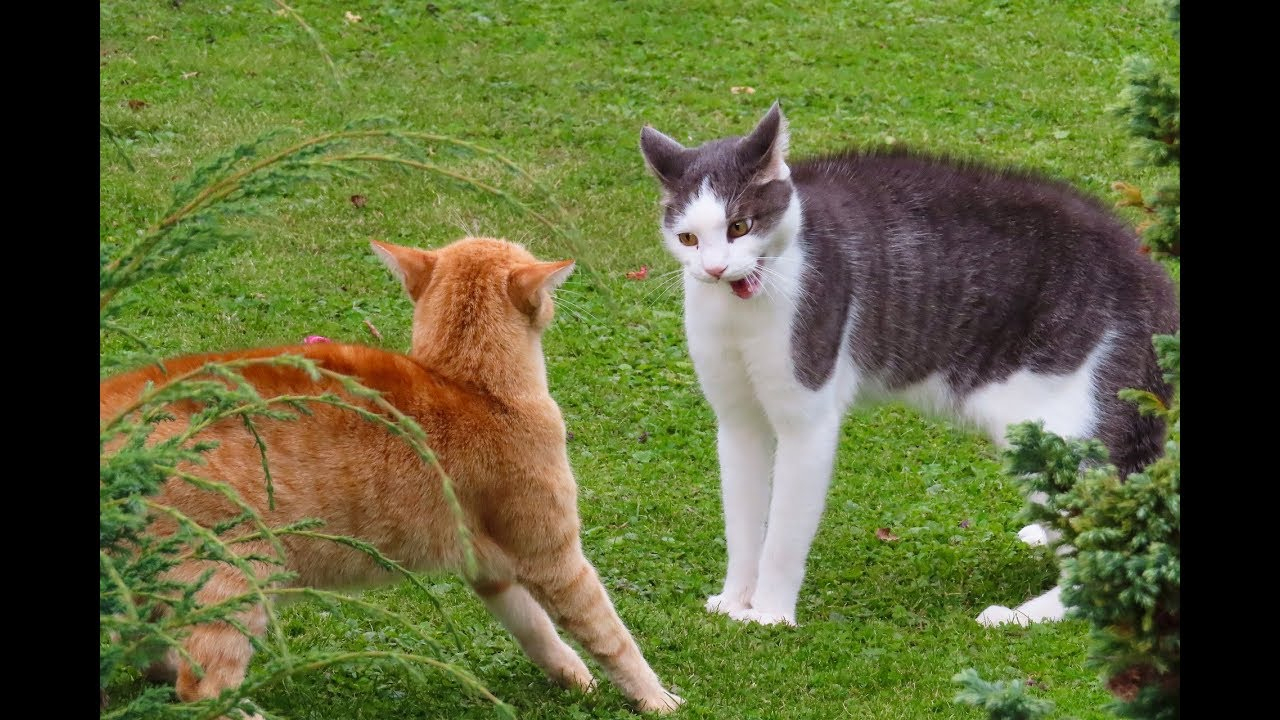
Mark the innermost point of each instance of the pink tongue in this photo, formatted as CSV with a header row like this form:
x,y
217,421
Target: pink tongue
x,y
747,286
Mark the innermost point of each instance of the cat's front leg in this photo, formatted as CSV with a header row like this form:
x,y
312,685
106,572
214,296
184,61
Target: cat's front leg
x,y
745,444
569,589
529,623
801,476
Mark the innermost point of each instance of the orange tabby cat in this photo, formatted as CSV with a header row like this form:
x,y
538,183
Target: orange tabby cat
x,y
475,381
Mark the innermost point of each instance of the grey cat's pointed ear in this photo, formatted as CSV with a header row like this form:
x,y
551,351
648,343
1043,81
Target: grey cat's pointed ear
x,y
765,149
666,158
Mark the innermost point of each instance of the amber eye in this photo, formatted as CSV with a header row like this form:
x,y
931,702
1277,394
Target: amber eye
x,y
688,239
738,228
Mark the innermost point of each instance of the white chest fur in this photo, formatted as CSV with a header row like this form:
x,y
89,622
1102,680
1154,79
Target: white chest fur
x,y
742,349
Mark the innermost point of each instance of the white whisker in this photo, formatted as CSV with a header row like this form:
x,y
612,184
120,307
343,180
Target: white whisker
x,y
562,310
663,283
661,291
576,307
652,303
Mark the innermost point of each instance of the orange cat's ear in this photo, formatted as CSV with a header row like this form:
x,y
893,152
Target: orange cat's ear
x,y
412,265
526,283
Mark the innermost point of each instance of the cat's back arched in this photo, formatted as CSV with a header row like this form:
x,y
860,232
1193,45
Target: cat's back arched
x,y
971,268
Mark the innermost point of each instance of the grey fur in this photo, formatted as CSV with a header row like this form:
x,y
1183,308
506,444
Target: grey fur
x,y
950,267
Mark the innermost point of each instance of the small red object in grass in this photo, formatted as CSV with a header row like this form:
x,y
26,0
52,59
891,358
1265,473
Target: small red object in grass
x,y
885,535
313,339
358,200
373,329
640,274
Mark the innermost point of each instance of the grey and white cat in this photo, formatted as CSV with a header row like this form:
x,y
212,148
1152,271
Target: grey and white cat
x,y
987,295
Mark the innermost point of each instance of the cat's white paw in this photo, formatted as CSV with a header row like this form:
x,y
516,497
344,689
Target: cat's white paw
x,y
1034,535
726,604
662,704
999,615
763,618
245,716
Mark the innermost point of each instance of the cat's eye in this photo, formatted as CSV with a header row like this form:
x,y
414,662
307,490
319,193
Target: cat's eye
x,y
688,239
738,228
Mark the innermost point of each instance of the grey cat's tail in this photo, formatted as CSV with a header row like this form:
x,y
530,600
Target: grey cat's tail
x,y
1134,440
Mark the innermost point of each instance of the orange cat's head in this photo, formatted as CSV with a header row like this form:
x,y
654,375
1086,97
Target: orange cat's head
x,y
476,293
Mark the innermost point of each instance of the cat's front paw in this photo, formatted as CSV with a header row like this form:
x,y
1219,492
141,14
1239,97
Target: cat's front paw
x,y
728,603
751,615
999,615
574,675
661,704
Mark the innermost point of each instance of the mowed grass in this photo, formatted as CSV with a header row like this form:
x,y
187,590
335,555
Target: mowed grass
x,y
563,90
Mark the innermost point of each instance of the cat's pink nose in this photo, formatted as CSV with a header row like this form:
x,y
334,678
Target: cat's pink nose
x,y
716,271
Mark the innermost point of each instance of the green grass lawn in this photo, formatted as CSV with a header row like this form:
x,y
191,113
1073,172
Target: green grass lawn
x,y
563,90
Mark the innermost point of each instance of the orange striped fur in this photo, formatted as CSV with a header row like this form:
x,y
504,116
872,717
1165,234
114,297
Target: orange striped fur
x,y
475,381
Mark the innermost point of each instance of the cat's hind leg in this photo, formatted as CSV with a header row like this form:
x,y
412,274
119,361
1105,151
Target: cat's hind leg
x,y
1045,608
222,653
217,654
1036,534
1068,406
1039,534
525,619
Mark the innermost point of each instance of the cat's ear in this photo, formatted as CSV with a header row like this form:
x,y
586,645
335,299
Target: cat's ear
x,y
666,158
412,266
526,283
765,149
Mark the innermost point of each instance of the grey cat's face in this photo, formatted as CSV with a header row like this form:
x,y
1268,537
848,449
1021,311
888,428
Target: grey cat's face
x,y
728,205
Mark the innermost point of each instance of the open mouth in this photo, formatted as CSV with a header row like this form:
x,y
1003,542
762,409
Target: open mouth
x,y
749,285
